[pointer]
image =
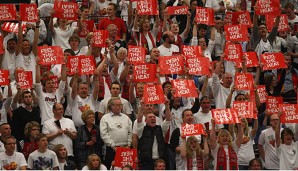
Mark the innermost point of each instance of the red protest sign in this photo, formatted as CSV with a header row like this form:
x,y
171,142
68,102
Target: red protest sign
x,y
100,37
145,73
147,7
28,12
244,81
177,10
4,77
136,54
87,65
184,88
273,61
192,129
193,51
2,50
73,63
66,10
171,64
233,52
50,55
225,116
268,7
262,93
205,16
198,65
244,109
153,94
234,18
12,27
289,113
272,104
24,79
87,26
125,156
283,24
251,59
8,12
236,33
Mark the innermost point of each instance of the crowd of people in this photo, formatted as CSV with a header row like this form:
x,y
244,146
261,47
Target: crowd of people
x,y
81,122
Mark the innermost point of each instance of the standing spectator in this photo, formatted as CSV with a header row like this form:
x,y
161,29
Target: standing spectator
x,y
168,47
115,130
290,11
8,58
64,162
5,131
112,19
43,158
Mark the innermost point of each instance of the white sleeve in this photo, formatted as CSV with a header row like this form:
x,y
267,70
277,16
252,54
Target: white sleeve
x,y
216,84
22,160
262,138
104,133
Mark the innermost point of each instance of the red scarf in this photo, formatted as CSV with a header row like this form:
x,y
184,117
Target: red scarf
x,y
101,92
200,162
222,159
143,42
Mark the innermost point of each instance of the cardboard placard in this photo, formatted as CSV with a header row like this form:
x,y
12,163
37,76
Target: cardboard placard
x,y
272,104
147,7
273,61
268,7
8,12
73,63
125,156
251,59
234,18
100,37
233,52
136,54
24,79
205,16
198,65
262,93
177,10
171,64
145,73
28,12
50,55
66,10
4,77
236,33
289,113
184,88
87,26
192,51
244,81
87,65
225,116
192,129
12,27
153,94
282,26
244,109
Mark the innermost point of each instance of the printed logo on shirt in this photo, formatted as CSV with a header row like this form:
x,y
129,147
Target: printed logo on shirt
x,y
83,108
48,99
9,166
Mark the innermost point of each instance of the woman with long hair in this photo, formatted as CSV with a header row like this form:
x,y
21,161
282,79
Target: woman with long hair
x,y
94,163
32,129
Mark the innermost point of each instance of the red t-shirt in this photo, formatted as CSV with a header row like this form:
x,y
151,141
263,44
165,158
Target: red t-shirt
x,y
104,23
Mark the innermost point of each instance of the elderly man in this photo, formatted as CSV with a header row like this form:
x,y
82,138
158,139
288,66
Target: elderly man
x,y
115,129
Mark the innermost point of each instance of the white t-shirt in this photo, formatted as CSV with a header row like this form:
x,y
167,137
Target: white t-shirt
x,y
215,151
287,155
43,161
246,151
202,118
27,62
8,62
61,37
102,167
164,51
13,162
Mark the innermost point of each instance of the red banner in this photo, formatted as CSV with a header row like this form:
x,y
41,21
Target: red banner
x,y
66,10
289,113
192,129
268,7
147,7
177,10
234,18
244,109
73,63
272,104
8,12
184,88
24,79
100,37
262,93
236,33
87,65
145,73
233,52
125,156
2,50
28,12
198,65
273,61
225,116
244,81
193,51
87,26
136,54
283,24
153,94
171,64
4,77
205,16
50,55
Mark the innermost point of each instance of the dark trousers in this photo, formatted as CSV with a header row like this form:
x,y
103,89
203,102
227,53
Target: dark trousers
x,y
147,165
109,157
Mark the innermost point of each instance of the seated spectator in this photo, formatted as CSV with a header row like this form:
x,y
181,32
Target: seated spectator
x,y
64,162
32,129
94,163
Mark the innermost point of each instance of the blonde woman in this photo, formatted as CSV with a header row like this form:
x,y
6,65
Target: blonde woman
x,y
94,163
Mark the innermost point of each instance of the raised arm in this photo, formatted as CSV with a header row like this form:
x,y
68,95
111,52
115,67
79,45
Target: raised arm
x,y
187,27
277,134
96,86
35,41
80,26
74,86
20,39
213,142
229,99
239,135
